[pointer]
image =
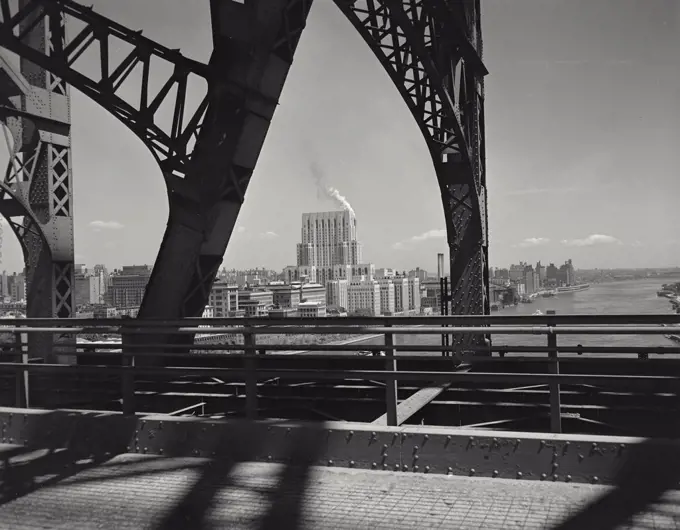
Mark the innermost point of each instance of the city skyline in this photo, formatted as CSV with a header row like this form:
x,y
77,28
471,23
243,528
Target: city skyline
x,y
561,179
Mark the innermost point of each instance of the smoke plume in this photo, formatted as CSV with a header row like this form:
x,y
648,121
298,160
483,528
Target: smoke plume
x,y
328,191
342,201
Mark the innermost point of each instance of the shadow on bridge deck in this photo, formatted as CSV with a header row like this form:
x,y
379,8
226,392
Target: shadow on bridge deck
x,y
76,467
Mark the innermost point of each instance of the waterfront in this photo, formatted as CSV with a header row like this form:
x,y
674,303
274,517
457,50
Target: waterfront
x,y
622,297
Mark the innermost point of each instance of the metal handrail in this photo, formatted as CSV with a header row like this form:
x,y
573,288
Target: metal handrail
x,y
249,369
349,330
464,320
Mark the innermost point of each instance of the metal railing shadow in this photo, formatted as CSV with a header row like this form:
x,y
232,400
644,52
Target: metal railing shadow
x,y
59,446
80,444
306,446
639,487
57,458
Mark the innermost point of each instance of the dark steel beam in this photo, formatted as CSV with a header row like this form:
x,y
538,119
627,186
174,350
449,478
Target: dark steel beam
x,y
435,63
254,49
37,191
446,450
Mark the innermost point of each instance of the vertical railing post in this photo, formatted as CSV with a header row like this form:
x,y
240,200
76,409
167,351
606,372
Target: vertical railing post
x,y
391,381
127,377
22,397
555,405
250,361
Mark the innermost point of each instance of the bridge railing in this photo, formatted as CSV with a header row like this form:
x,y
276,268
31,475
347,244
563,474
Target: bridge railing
x,y
474,364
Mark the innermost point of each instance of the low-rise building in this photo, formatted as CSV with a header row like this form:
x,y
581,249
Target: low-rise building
x,y
312,309
364,298
386,296
224,299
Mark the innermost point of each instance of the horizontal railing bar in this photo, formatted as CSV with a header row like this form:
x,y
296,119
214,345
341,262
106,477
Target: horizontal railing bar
x,y
379,375
494,348
438,358
355,346
436,320
591,359
293,330
368,347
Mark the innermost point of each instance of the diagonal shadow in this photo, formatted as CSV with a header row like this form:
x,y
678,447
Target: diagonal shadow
x,y
60,446
239,444
242,443
645,477
287,501
126,470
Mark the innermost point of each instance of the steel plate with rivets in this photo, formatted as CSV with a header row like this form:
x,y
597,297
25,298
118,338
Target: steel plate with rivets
x,y
441,450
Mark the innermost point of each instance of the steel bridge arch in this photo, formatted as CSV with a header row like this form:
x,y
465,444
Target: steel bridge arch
x,y
427,38
165,147
412,29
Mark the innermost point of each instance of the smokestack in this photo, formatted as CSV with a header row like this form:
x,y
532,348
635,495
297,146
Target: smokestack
x,y
440,266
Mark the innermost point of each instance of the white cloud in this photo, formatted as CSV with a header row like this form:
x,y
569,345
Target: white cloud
x,y
240,229
105,225
591,240
269,235
430,234
533,242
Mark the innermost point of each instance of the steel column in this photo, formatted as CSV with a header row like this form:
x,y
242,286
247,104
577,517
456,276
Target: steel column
x,y
37,187
255,44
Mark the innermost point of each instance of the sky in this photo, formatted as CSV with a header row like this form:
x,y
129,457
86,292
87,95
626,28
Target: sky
x,y
583,143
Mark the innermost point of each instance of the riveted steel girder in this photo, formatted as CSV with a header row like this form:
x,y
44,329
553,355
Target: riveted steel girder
x,y
36,190
432,51
254,47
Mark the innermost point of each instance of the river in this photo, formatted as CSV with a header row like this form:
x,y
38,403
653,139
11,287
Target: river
x,y
624,297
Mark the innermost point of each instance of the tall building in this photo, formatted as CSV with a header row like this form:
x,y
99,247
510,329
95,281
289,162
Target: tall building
x,y
16,286
4,286
566,274
329,238
541,273
87,290
401,298
387,297
414,294
329,249
337,293
529,280
516,272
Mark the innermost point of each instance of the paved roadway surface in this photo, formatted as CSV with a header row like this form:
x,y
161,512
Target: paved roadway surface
x,y
136,492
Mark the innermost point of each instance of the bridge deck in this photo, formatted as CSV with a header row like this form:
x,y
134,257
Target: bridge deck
x,y
136,491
